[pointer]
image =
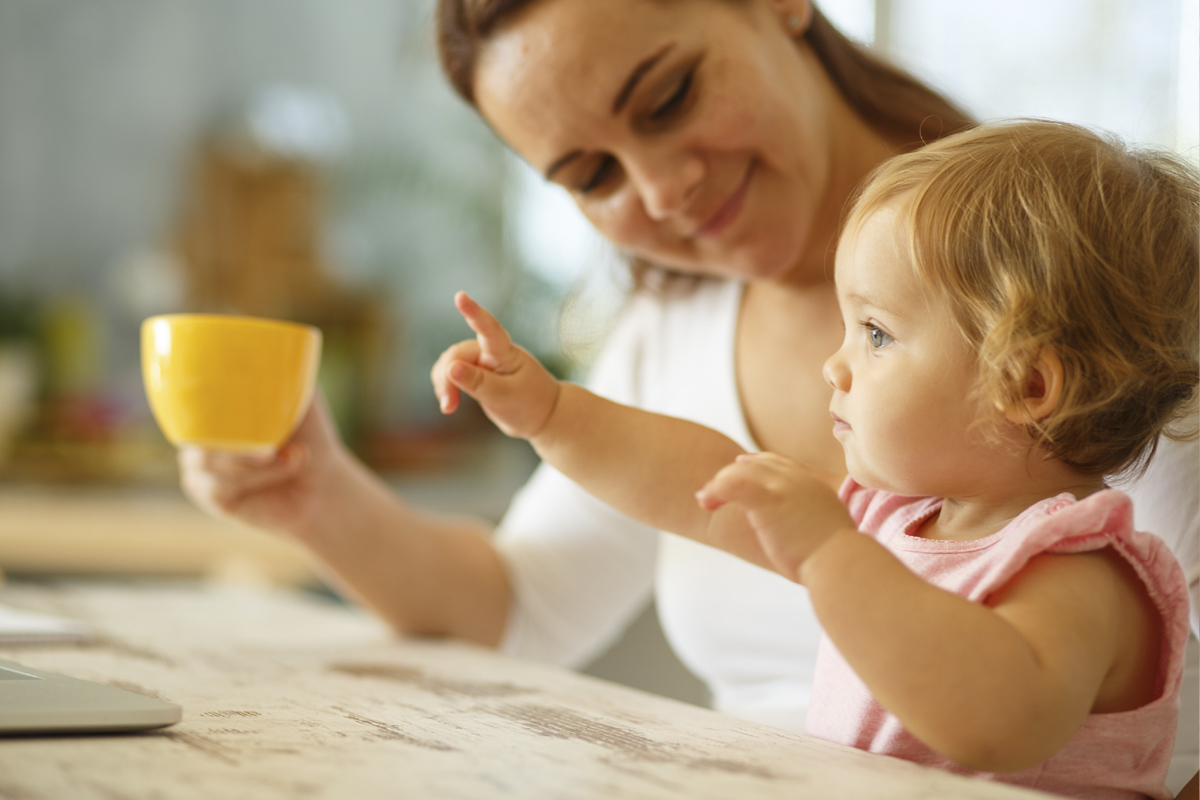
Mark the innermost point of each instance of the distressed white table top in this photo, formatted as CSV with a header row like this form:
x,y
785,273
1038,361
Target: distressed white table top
x,y
289,696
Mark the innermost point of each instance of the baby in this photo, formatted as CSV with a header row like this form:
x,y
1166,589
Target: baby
x,y
1021,312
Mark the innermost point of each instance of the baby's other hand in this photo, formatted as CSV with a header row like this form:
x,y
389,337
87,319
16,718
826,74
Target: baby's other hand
x,y
792,508
513,388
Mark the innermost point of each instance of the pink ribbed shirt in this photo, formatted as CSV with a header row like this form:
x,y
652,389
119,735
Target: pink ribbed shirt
x,y
1118,755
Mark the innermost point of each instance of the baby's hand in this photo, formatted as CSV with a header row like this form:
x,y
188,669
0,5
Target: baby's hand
x,y
515,391
792,509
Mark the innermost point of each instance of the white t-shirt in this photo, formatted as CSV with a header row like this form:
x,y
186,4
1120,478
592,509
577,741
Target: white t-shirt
x,y
581,572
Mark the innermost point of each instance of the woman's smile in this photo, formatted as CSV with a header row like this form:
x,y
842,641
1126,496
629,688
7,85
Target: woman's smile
x,y
721,219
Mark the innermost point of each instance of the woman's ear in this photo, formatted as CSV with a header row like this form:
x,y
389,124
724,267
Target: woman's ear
x,y
795,14
1043,391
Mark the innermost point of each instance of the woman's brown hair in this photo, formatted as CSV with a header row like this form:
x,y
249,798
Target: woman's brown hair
x,y
905,111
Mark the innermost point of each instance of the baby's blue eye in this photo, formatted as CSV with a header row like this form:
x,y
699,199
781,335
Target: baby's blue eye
x,y
878,337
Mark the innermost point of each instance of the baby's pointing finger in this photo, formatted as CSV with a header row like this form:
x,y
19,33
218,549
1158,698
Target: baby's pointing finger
x,y
493,339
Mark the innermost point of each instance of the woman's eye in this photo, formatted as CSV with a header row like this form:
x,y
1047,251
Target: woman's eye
x,y
600,175
878,338
676,100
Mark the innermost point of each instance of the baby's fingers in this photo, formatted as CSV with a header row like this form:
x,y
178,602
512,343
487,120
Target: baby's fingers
x,y
745,481
496,348
445,389
493,391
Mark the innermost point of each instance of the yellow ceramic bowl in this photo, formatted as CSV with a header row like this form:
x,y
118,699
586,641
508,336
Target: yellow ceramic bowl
x,y
228,382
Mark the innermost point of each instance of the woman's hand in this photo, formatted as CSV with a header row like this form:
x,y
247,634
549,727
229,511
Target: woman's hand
x,y
515,391
792,509
286,492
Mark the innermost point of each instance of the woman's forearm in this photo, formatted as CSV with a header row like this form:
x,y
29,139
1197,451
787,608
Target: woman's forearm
x,y
424,574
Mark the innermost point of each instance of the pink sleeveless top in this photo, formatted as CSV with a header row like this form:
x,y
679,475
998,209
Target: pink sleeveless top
x,y
1118,755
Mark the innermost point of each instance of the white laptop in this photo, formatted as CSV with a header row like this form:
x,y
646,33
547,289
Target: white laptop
x,y
37,701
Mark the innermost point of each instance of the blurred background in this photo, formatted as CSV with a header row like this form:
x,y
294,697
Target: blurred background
x,y
304,159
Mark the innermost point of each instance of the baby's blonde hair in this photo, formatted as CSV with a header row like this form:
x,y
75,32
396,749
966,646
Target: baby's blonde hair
x,y
1044,235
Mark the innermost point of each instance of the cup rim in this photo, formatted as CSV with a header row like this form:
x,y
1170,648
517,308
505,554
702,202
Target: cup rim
x,y
232,319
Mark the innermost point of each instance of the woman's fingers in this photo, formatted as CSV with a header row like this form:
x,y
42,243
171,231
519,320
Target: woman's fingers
x,y
222,462
218,480
496,348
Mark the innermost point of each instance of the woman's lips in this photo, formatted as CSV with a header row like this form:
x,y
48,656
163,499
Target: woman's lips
x,y
839,424
728,212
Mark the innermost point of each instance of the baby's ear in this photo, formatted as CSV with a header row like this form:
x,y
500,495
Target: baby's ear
x,y
1043,390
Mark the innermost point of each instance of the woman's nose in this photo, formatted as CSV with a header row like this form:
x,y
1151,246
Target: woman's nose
x,y
837,372
665,185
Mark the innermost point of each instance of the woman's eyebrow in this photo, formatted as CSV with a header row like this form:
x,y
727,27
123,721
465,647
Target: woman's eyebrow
x,y
641,69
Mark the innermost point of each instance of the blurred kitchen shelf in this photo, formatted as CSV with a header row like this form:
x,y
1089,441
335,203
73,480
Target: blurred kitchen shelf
x,y
145,460
121,531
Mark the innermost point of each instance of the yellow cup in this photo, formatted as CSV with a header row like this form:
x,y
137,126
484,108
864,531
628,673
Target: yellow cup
x,y
228,382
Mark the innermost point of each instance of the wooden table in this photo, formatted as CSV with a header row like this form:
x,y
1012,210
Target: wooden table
x,y
288,695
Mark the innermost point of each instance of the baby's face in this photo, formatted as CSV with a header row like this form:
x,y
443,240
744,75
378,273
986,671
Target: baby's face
x,y
903,405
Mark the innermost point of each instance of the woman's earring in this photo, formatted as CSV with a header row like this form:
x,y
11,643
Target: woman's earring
x,y
793,22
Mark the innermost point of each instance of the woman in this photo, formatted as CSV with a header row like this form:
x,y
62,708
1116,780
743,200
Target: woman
x,y
713,139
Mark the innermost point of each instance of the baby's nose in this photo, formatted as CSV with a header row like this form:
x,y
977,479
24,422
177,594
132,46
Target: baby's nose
x,y
837,372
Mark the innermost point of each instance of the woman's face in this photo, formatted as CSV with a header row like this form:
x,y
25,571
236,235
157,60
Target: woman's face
x,y
694,133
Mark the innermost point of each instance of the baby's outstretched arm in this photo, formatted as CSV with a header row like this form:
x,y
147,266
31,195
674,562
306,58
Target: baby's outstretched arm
x,y
645,465
792,509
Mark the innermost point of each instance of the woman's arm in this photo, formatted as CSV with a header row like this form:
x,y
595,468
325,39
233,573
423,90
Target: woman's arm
x,y
424,574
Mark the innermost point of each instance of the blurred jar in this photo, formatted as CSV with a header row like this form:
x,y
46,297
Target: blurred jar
x,y
18,391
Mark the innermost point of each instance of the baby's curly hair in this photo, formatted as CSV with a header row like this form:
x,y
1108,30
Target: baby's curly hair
x,y
1047,235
